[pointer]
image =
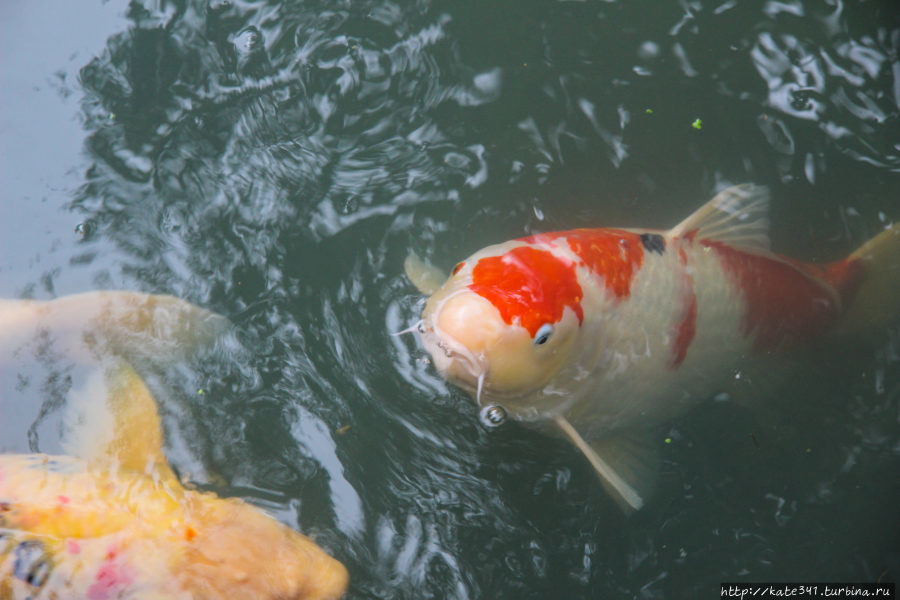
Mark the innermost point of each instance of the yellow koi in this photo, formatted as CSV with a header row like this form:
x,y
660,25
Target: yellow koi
x,y
115,522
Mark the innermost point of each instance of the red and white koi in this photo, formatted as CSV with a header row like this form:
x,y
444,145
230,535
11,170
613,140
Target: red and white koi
x,y
599,331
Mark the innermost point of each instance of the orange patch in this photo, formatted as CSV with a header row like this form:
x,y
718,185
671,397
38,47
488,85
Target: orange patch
x,y
687,328
684,334
613,254
783,305
530,284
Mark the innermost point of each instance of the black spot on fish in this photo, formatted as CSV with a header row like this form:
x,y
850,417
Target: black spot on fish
x,y
31,563
653,242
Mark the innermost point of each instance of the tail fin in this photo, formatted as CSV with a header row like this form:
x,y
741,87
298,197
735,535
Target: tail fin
x,y
877,300
90,326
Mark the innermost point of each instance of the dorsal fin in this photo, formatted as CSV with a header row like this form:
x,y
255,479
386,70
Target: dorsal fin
x,y
114,423
737,216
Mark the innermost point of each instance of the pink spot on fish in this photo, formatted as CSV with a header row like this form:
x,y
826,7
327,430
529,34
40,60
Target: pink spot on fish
x,y
73,547
111,580
63,499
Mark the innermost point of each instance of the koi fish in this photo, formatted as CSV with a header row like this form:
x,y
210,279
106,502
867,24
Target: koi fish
x,y
595,334
90,326
115,521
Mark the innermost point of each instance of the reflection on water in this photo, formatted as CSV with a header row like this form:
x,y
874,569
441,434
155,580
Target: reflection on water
x,y
275,161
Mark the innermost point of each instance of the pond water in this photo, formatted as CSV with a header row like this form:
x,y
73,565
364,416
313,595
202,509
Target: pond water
x,y
276,161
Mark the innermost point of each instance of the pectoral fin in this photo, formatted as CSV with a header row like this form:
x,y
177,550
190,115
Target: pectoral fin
x,y
427,278
627,466
114,423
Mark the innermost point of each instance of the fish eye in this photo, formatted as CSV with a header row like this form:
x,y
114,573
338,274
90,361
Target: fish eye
x,y
458,266
543,334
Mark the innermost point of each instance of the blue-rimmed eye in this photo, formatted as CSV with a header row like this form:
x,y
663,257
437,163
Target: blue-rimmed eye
x,y
543,334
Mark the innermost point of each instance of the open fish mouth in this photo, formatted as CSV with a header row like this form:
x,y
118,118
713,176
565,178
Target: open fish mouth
x,y
452,359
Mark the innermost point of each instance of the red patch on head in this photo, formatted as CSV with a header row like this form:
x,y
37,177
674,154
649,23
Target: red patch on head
x,y
784,302
613,254
530,284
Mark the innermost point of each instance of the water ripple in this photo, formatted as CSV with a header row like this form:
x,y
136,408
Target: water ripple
x,y
276,161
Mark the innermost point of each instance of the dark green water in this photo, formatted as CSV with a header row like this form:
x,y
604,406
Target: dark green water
x,y
276,161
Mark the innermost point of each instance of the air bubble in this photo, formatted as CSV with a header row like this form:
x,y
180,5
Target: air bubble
x,y
648,50
84,229
248,40
493,415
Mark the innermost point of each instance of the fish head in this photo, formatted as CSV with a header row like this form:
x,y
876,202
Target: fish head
x,y
505,323
237,551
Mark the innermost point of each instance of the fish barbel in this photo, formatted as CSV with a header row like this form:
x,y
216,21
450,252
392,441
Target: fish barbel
x,y
113,520
597,333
